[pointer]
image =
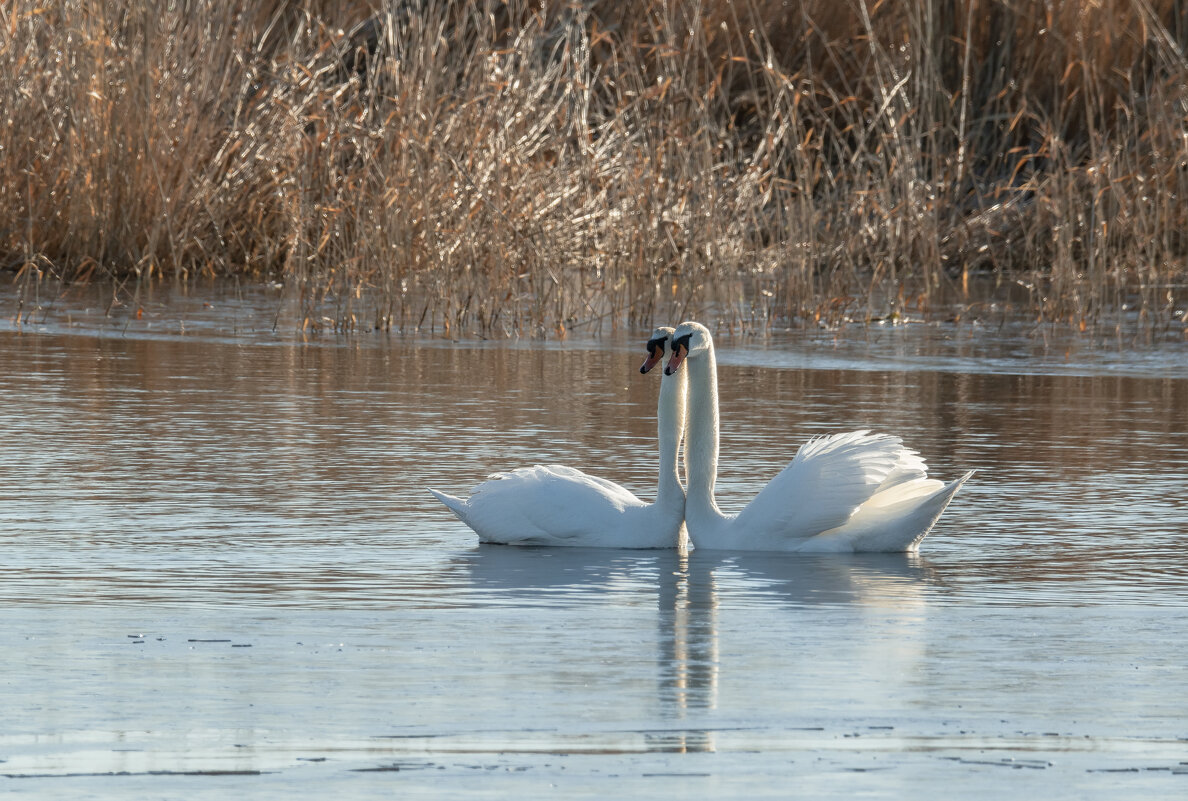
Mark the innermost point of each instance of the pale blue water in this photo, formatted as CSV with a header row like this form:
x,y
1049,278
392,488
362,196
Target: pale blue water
x,y
222,574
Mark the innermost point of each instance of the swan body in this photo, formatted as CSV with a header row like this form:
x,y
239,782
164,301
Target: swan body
x,y
849,492
555,505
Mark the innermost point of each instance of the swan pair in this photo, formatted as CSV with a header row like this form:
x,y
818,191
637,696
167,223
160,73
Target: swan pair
x,y
849,492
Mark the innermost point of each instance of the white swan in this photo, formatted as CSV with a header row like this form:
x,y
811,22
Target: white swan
x,y
554,505
841,493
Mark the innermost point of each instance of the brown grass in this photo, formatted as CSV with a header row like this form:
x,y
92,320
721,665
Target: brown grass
x,y
501,169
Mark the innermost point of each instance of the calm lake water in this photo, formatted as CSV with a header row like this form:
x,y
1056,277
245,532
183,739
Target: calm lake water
x,y
222,572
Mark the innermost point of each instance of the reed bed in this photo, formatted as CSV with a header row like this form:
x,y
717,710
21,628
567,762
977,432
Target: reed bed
x,y
523,168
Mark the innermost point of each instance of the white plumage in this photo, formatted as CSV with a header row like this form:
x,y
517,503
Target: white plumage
x,y
557,505
856,491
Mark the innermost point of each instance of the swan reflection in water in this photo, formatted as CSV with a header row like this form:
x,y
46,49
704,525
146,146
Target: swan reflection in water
x,y
692,591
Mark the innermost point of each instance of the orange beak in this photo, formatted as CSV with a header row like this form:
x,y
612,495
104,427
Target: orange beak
x,y
678,358
653,359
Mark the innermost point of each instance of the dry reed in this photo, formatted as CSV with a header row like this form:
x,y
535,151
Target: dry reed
x,y
517,168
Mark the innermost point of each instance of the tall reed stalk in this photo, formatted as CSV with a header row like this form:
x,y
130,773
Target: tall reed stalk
x,y
510,168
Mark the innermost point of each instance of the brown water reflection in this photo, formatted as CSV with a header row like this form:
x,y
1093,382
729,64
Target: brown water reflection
x,y
232,455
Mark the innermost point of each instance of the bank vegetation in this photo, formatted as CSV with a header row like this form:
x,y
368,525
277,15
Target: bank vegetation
x,y
510,168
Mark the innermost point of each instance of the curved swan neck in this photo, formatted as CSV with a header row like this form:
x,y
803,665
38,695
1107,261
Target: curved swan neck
x,y
670,427
701,444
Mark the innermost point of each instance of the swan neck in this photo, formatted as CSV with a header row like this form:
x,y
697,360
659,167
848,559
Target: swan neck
x,y
701,445
670,425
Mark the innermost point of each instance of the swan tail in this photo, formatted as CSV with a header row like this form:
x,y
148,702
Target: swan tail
x,y
455,505
935,506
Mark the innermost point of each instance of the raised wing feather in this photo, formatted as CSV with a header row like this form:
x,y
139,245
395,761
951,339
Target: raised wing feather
x,y
909,468
825,483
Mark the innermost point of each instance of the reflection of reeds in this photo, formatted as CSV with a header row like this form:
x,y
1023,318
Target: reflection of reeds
x,y
500,168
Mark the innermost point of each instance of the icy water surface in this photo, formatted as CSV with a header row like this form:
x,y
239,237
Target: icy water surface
x,y
222,575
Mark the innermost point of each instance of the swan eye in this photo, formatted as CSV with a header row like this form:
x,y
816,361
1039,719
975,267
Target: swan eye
x,y
656,344
682,342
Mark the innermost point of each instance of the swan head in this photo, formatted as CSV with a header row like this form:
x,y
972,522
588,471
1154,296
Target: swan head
x,y
688,339
658,343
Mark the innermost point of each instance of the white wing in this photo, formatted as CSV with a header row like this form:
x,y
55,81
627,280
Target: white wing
x,y
826,482
545,505
893,520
